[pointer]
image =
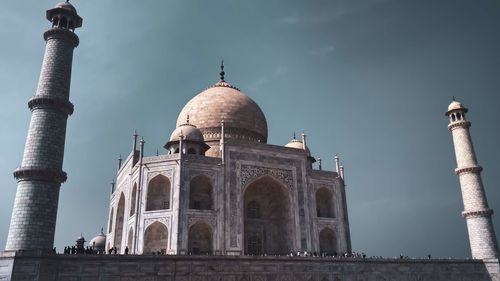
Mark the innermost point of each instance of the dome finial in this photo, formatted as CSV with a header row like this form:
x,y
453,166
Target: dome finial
x,y
453,98
222,73
294,135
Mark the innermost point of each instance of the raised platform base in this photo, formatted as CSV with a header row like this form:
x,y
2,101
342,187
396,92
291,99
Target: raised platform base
x,y
37,266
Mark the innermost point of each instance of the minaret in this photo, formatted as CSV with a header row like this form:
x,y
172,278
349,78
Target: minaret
x,y
40,176
476,212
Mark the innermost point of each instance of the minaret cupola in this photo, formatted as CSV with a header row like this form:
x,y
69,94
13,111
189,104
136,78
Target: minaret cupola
x,y
456,112
64,15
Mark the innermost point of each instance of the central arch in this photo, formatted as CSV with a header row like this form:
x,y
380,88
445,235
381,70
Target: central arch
x,y
155,238
268,227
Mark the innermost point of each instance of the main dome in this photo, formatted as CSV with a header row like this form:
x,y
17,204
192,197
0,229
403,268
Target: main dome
x,y
243,118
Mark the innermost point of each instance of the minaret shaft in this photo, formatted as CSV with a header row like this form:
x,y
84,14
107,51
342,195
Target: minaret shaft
x,y
476,212
40,176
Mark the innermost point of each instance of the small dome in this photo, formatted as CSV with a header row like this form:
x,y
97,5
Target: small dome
x,y
190,133
455,105
294,143
80,238
66,6
98,242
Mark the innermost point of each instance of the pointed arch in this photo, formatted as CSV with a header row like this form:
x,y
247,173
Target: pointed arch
x,y
110,225
158,197
327,241
155,238
130,239
268,224
324,203
133,198
200,193
120,219
200,239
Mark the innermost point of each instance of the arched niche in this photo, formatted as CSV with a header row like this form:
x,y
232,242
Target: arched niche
x,y
110,225
155,238
268,223
130,239
120,216
324,203
200,239
158,197
133,198
200,193
327,242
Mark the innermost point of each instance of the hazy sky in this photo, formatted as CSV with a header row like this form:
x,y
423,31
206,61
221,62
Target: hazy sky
x,y
370,80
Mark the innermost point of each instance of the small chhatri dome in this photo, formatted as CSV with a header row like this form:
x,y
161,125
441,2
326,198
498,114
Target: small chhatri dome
x,y
67,6
188,132
295,143
243,118
98,242
80,238
456,105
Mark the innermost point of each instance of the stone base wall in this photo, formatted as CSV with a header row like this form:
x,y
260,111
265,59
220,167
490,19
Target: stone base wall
x,y
36,266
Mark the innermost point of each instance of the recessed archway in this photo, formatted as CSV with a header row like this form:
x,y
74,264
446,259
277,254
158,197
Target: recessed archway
x,y
200,193
155,238
200,239
158,194
327,242
133,199
120,216
324,203
130,239
110,225
268,227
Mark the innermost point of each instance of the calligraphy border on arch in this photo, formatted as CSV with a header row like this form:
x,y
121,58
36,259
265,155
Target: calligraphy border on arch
x,y
163,220
211,220
251,172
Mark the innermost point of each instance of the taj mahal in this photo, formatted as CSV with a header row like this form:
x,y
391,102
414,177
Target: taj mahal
x,y
220,188
219,203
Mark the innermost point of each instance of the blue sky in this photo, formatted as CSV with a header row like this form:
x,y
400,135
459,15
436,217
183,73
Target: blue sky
x,y
369,80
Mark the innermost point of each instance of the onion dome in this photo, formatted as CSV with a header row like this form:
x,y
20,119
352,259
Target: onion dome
x,y
98,242
243,118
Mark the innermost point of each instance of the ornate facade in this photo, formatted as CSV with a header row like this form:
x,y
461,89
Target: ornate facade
x,y
221,189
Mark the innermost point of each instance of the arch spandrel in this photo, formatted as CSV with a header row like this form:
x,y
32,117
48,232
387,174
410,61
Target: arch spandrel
x,y
251,173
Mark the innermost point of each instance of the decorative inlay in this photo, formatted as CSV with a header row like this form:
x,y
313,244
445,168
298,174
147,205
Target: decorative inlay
x,y
461,124
214,133
164,220
249,173
475,214
210,220
468,170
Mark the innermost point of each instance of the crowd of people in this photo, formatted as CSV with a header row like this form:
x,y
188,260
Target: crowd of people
x,y
75,250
